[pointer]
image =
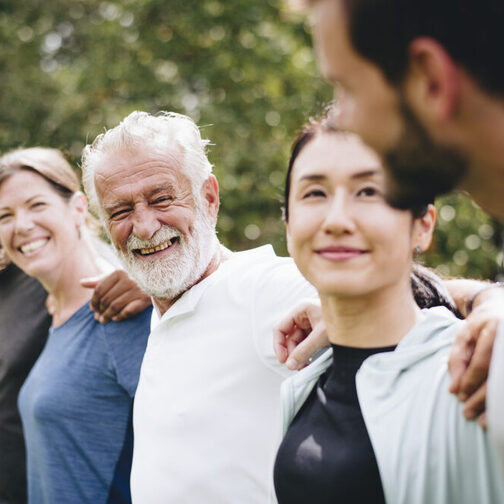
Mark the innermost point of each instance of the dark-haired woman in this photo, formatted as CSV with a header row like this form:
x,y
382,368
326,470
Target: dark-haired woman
x,y
371,420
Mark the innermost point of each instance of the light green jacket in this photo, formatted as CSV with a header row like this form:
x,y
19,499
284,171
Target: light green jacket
x,y
427,453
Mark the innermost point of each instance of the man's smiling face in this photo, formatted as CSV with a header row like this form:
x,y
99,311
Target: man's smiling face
x,y
154,220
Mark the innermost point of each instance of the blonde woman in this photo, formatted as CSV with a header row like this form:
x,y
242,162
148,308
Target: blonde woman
x,y
76,402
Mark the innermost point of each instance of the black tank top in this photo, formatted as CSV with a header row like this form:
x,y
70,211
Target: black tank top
x,y
326,455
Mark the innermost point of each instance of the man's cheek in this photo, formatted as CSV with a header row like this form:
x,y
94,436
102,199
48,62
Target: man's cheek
x,y
119,237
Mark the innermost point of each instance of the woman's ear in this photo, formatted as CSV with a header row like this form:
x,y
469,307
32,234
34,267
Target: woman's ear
x,y
423,229
78,205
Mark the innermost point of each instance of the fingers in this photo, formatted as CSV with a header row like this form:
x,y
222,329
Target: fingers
x,y
296,339
123,307
301,316
117,297
285,329
106,291
477,371
284,336
460,356
281,334
132,308
302,353
475,405
293,329
279,347
91,282
470,360
113,308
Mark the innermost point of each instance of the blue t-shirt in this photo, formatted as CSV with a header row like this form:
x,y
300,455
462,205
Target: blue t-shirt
x,y
75,406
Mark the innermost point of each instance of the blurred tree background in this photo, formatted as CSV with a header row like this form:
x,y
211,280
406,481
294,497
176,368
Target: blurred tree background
x,y
244,70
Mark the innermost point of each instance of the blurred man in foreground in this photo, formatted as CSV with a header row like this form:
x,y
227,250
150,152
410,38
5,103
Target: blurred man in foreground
x,y
423,84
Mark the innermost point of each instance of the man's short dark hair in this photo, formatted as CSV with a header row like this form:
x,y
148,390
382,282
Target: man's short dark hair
x,y
471,31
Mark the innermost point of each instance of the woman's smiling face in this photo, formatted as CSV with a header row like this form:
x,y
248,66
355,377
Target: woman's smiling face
x,y
343,236
38,227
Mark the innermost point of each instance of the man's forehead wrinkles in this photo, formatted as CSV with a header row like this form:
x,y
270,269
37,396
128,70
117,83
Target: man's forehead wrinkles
x,y
136,171
170,162
130,192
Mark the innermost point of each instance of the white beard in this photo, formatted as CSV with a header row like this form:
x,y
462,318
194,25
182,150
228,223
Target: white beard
x,y
168,277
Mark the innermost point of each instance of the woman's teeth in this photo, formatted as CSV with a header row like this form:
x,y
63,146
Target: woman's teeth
x,y
33,246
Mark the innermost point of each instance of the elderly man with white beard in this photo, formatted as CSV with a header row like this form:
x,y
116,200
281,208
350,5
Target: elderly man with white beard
x,y
207,412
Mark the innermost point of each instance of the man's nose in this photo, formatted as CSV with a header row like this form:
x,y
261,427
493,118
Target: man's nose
x,y
341,114
145,224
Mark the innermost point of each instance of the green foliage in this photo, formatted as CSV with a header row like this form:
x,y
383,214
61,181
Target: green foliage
x,y
467,242
242,69
75,67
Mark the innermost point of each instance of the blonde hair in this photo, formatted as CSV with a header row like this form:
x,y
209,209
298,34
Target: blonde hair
x,y
51,165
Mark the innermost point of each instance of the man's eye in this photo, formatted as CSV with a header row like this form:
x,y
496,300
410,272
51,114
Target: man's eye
x,y
38,204
4,217
163,200
119,214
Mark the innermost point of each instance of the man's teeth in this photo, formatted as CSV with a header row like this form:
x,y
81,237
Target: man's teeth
x,y
28,248
161,246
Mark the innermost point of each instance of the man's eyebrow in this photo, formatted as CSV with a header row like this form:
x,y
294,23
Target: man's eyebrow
x,y
34,197
110,209
164,187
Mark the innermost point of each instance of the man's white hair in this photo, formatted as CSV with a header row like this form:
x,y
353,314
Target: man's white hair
x,y
172,133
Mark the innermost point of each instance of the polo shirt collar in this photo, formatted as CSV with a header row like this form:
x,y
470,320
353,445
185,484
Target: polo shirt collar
x,y
188,302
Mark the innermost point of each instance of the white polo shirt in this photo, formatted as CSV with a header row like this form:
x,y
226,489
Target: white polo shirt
x,y
207,407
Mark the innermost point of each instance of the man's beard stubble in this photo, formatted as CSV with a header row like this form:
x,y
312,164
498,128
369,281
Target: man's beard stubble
x,y
167,278
418,169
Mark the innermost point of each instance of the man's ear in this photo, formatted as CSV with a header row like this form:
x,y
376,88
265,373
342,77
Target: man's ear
x,y
423,229
78,205
210,196
432,83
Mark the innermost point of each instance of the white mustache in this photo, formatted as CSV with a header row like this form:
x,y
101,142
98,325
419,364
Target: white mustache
x,y
165,234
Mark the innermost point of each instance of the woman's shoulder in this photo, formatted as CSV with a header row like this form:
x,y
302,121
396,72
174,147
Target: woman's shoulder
x,y
438,327
138,324
420,356
82,320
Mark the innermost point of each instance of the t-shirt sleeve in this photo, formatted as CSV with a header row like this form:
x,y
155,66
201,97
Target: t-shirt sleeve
x,y
126,342
277,291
